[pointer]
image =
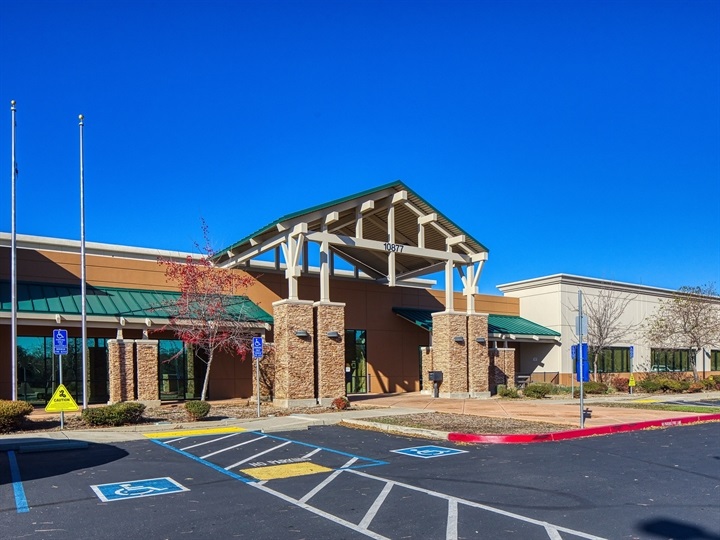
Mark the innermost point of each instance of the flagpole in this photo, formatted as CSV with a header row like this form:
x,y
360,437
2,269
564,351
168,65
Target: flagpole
x,y
13,256
82,270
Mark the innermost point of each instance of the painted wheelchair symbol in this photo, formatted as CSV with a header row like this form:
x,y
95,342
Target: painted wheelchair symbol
x,y
129,490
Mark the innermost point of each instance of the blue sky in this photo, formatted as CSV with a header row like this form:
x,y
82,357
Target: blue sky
x,y
566,136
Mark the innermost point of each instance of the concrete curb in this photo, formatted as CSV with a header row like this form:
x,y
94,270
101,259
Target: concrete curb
x,y
578,433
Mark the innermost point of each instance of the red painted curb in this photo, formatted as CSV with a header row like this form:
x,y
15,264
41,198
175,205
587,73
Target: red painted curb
x,y
577,433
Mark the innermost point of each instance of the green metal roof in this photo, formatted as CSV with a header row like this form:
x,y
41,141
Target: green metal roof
x,y
109,301
497,324
398,186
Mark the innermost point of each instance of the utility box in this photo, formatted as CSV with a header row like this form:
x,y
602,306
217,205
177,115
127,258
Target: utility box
x,y
435,376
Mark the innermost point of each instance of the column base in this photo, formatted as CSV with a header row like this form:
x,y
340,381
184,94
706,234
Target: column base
x,y
454,395
481,395
288,403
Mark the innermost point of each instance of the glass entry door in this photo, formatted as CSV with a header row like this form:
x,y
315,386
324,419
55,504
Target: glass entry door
x,y
355,362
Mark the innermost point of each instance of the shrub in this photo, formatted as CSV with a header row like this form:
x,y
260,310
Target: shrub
x,y
504,391
558,389
341,403
711,383
695,387
197,409
117,414
592,387
662,383
12,413
621,384
537,390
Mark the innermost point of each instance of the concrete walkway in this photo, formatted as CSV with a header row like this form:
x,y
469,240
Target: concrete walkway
x,y
564,412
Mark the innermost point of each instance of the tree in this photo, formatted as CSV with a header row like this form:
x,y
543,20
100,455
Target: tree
x,y
690,319
210,314
604,322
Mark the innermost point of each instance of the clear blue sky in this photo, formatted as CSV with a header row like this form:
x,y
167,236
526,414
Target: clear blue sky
x,y
567,136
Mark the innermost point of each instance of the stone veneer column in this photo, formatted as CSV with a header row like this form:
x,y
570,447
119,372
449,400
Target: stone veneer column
x,y
267,374
478,356
148,389
426,365
121,372
330,317
505,367
450,356
294,355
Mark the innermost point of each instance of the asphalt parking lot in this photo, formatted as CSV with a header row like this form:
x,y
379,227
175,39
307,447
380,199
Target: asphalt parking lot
x,y
335,482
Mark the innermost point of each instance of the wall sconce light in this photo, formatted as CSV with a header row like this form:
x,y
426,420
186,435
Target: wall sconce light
x,y
333,334
480,340
458,339
122,321
301,333
58,319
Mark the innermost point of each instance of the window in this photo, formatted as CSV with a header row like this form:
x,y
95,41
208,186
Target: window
x,y
714,360
178,369
611,360
663,360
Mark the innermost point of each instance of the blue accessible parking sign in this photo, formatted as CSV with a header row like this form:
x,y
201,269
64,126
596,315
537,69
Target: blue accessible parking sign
x,y
137,488
427,452
60,342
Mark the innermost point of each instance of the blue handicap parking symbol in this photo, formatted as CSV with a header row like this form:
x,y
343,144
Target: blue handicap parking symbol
x,y
427,452
137,488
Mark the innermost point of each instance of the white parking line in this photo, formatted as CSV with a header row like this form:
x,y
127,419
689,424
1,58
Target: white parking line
x,y
211,441
451,531
365,523
231,447
257,455
310,494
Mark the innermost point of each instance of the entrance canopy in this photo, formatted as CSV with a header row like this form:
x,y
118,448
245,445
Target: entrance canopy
x,y
500,327
388,234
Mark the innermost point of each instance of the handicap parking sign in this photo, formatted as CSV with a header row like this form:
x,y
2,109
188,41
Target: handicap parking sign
x,y
137,488
257,347
427,452
60,341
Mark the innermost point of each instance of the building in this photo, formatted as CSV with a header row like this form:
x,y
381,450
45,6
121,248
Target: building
x,y
552,301
341,293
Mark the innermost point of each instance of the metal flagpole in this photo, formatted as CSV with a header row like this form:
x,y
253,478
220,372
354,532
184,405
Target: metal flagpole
x,y
13,271
82,270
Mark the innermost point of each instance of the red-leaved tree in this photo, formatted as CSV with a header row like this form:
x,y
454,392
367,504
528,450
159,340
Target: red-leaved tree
x,y
211,312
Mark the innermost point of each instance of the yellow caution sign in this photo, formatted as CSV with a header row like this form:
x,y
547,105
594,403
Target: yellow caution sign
x,y
631,382
61,401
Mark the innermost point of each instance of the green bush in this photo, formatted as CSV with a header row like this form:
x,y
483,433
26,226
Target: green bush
x,y
558,389
504,391
12,413
114,415
591,387
341,403
537,390
711,383
653,384
197,409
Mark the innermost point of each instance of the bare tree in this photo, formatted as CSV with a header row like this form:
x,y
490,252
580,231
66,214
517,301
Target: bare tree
x,y
690,319
209,314
604,322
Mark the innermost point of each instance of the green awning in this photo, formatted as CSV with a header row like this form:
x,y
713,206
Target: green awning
x,y
109,301
497,324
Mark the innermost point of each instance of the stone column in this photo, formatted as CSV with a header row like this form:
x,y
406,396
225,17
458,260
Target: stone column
x,y
267,374
478,356
147,371
294,355
330,317
450,356
426,364
505,367
121,372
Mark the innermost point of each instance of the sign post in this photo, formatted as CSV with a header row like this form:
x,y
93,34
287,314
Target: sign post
x,y
61,400
580,331
257,349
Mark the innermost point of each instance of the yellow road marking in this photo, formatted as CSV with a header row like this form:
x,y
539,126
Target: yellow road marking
x,y
646,401
287,470
192,432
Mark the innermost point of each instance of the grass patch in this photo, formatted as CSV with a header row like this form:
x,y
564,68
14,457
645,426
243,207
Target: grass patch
x,y
661,407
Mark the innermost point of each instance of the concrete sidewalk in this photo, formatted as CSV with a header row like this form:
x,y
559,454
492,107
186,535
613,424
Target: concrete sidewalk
x,y
564,412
